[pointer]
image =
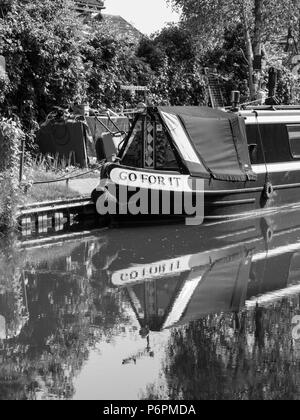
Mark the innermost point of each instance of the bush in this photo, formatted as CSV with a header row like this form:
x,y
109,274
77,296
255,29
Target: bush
x,y
288,91
231,63
10,194
112,63
41,41
4,85
177,75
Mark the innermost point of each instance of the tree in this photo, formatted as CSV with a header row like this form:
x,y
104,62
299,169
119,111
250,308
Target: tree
x,y
261,20
231,63
177,78
41,41
113,62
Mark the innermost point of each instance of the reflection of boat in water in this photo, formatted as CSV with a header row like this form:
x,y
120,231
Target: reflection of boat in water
x,y
173,274
245,266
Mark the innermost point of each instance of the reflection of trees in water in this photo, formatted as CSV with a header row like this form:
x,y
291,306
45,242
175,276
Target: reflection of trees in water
x,y
240,356
11,288
70,308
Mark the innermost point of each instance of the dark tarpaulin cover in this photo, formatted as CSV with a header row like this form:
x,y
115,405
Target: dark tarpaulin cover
x,y
219,139
65,139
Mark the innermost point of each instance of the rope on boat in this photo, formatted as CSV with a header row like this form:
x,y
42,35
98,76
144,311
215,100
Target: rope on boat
x,y
62,179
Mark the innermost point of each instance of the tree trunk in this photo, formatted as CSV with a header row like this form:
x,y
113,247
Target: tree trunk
x,y
258,27
249,50
257,42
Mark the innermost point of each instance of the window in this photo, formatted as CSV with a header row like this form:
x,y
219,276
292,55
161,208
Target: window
x,y
164,154
149,147
254,144
294,139
134,152
274,137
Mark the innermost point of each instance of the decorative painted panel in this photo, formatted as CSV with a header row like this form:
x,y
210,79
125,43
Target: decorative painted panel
x,y
149,145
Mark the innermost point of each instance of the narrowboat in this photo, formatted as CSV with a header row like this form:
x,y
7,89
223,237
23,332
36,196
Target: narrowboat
x,y
227,163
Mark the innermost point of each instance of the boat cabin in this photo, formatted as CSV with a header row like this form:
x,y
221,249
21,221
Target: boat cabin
x,y
198,141
278,130
165,139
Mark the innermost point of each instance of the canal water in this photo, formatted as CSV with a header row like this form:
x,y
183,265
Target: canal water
x,y
169,312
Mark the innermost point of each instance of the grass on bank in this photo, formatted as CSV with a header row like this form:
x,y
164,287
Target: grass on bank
x,y
45,169
50,192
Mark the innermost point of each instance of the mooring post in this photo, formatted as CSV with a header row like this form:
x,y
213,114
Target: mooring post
x,y
235,100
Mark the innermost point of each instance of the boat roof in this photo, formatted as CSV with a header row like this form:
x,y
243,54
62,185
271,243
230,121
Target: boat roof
x,y
212,142
283,114
274,114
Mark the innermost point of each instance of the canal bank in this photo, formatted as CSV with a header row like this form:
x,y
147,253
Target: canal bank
x,y
55,216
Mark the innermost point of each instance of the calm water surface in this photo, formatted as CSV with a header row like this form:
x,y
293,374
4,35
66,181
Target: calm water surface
x,y
169,312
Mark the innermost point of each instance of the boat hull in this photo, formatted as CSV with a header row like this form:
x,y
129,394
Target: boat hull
x,y
219,199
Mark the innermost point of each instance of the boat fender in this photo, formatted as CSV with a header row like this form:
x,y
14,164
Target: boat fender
x,y
267,231
269,235
268,190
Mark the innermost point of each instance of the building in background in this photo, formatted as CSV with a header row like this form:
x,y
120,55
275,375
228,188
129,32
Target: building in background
x,y
89,6
82,6
95,8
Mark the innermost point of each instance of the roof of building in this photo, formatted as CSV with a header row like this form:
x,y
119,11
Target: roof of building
x,y
89,5
82,6
124,29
